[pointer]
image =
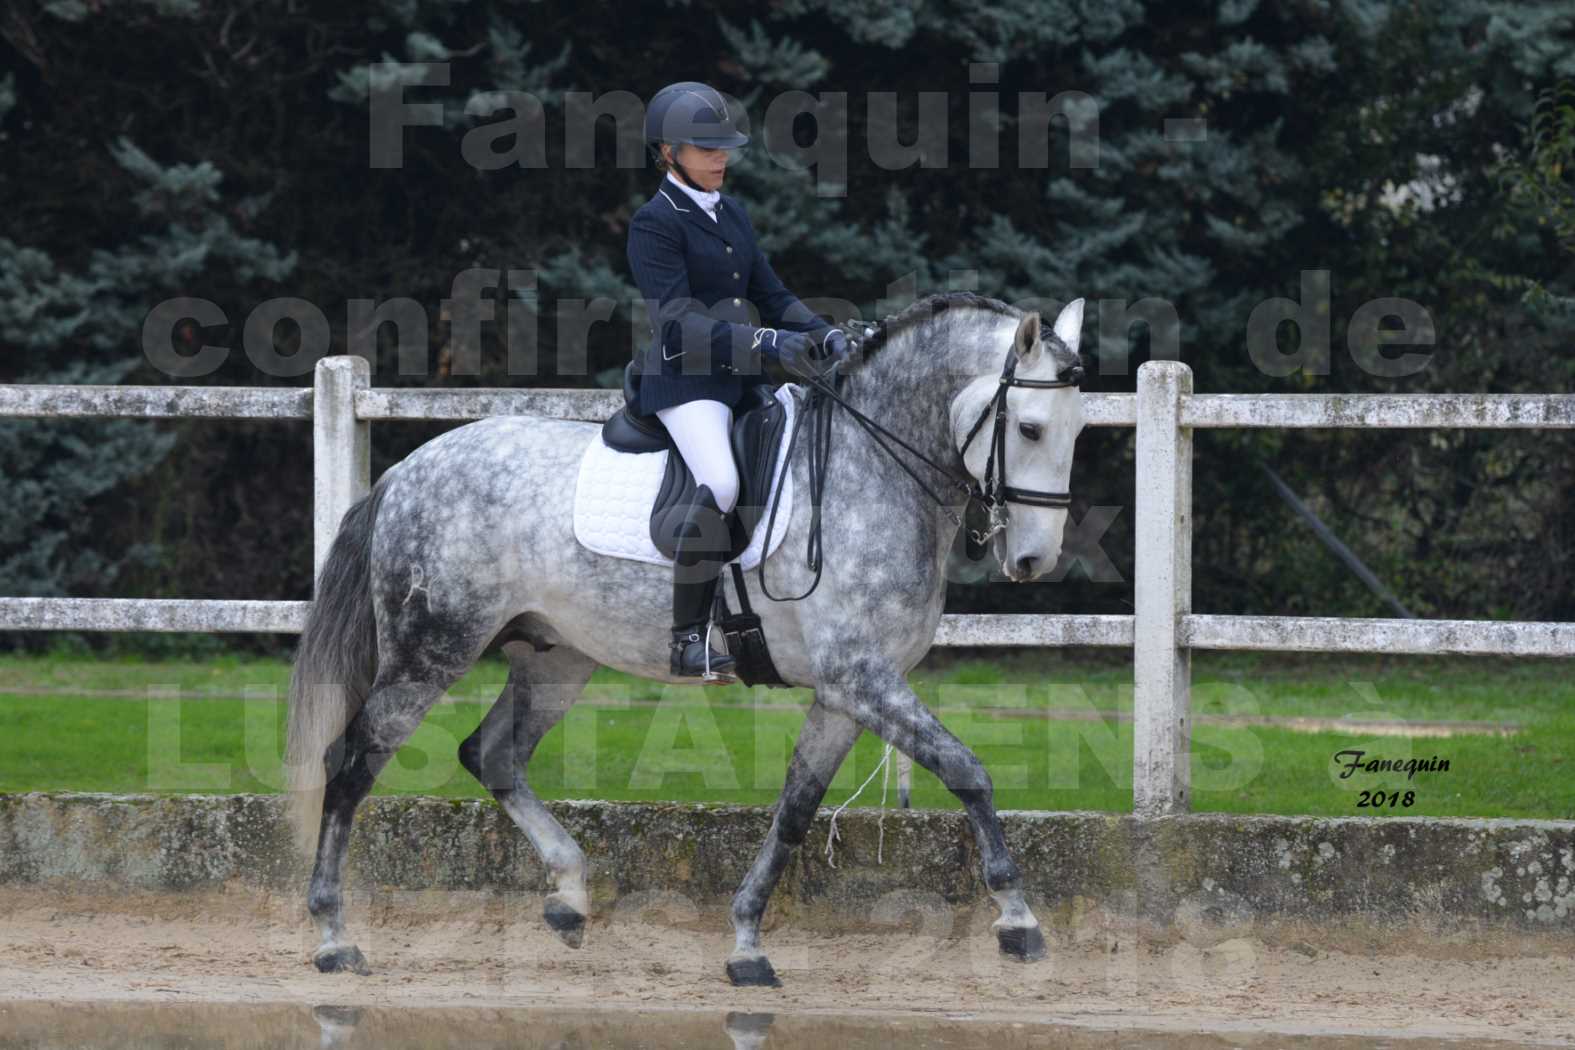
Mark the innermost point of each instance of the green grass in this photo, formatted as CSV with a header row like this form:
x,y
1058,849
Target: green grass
x,y
215,726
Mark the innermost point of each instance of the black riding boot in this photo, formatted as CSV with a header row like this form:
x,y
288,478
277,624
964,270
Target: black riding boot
x,y
703,541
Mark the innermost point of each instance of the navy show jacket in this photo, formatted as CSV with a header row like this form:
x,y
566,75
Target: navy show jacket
x,y
698,277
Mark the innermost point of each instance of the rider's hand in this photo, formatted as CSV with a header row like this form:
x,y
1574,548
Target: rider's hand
x,y
796,351
835,347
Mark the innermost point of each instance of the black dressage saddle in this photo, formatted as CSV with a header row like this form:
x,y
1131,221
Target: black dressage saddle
x,y
759,422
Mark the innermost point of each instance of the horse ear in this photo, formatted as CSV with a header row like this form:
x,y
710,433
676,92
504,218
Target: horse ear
x,y
1027,334
1069,326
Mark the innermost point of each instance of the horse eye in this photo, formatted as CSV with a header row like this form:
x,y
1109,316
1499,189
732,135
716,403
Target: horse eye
x,y
1029,430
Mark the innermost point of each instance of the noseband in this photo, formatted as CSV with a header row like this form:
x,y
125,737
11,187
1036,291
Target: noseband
x,y
993,493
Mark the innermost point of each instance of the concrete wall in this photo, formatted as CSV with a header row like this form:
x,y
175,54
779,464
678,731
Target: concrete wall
x,y
1475,876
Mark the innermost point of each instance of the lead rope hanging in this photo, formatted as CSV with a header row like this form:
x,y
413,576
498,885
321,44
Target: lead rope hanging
x,y
880,842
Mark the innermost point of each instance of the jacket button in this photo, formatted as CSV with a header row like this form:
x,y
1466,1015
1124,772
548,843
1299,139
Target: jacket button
x,y
735,275
730,249
737,302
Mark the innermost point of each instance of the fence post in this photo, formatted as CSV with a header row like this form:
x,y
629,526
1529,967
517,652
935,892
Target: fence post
x,y
341,449
1162,669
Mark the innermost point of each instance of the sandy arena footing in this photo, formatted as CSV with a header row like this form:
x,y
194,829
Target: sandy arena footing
x,y
489,950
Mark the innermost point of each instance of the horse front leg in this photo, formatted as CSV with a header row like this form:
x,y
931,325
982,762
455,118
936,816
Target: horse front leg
x,y
823,743
879,699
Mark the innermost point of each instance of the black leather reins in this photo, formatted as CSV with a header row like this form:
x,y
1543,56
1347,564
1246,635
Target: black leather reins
x,y
994,493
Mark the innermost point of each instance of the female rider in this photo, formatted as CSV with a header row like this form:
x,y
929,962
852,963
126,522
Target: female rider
x,y
693,254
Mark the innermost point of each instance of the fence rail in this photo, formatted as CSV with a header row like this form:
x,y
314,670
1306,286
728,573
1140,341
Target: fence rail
x,y
154,402
1390,411
1162,632
151,614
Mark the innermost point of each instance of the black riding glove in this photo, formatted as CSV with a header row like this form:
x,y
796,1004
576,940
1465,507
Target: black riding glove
x,y
835,347
795,350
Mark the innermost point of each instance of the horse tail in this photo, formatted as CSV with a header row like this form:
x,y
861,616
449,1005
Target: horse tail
x,y
335,664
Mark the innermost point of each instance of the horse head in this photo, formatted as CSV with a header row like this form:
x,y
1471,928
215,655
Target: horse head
x,y
1015,428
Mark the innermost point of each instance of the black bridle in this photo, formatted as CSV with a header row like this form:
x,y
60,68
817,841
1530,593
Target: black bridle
x,y
992,493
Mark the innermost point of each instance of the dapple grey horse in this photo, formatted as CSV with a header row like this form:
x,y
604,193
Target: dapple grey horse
x,y
469,541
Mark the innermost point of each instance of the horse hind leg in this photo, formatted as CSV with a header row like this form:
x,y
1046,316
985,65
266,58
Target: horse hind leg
x,y
419,656
393,710
540,688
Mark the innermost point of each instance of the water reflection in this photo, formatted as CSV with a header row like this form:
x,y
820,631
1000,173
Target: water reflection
x,y
748,1031
336,1023
111,1026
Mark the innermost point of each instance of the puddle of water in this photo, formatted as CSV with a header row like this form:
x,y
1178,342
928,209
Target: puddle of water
x,y
148,1026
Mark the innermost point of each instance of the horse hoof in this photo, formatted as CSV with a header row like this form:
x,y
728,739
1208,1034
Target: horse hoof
x,y
339,960
752,972
567,923
1024,943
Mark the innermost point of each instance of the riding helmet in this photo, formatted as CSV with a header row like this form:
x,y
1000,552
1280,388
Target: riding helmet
x,y
691,112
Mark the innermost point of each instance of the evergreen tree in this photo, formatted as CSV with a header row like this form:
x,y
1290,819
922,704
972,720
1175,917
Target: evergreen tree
x,y
1206,154
63,325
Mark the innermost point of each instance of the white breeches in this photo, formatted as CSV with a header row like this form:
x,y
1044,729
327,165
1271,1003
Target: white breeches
x,y
702,430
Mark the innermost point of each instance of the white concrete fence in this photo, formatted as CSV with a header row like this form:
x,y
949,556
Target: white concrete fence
x,y
1163,632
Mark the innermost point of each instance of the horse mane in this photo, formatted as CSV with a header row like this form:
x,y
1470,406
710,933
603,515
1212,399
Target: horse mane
x,y
926,309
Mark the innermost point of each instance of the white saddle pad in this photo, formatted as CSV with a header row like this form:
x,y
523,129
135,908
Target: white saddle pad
x,y
615,490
